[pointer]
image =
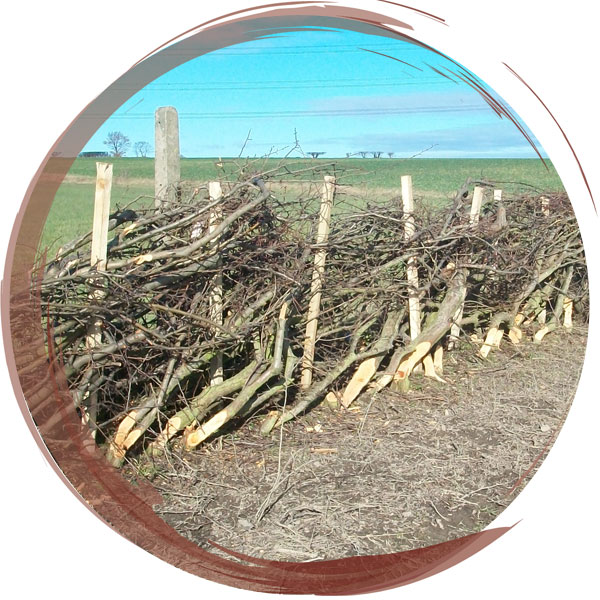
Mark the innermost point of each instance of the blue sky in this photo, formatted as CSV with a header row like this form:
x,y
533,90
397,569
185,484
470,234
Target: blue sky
x,y
333,89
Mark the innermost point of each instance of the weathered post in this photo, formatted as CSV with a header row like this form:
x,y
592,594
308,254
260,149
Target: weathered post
x,y
167,172
98,254
314,307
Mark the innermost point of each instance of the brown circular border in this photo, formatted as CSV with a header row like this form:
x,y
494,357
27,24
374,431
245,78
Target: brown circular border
x,y
42,391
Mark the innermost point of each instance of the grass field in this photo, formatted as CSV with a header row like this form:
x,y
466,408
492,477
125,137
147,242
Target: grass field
x,y
433,179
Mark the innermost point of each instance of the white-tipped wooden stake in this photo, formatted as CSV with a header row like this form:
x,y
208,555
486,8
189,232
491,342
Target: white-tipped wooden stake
x,y
216,293
98,252
314,307
476,205
412,272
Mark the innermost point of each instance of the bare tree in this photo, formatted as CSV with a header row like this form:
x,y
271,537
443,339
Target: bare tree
x,y
142,149
117,142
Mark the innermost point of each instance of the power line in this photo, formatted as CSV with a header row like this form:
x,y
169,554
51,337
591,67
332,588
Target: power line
x,y
351,112
261,88
275,85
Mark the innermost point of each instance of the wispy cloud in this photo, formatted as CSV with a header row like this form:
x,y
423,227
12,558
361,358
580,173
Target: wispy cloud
x,y
494,139
418,101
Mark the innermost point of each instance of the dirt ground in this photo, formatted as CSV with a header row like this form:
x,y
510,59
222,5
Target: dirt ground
x,y
394,472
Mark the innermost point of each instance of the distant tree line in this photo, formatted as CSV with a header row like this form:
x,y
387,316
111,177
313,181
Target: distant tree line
x,y
118,144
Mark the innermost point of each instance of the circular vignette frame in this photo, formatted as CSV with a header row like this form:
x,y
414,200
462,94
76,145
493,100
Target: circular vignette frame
x,y
43,393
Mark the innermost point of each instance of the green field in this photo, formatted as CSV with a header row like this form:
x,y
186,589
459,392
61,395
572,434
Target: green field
x,y
433,180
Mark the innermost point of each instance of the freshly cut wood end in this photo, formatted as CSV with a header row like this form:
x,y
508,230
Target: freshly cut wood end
x,y
361,378
430,370
200,434
407,366
540,335
128,229
332,399
568,311
140,260
490,342
498,338
127,424
269,423
515,335
438,360
132,438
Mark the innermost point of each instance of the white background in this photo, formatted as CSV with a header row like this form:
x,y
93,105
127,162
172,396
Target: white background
x,y
58,56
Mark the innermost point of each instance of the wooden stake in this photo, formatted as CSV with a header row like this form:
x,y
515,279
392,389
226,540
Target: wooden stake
x,y
473,221
216,293
476,205
104,173
412,273
314,307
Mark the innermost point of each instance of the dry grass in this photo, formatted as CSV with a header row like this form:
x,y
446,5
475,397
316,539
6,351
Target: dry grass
x,y
396,472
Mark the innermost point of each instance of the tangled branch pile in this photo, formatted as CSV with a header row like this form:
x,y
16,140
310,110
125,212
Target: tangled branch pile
x,y
202,306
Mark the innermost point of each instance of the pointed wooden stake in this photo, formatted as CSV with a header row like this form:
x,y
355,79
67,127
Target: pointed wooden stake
x,y
98,253
314,307
473,221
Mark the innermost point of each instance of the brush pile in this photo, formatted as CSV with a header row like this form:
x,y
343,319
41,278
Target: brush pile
x,y
199,318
